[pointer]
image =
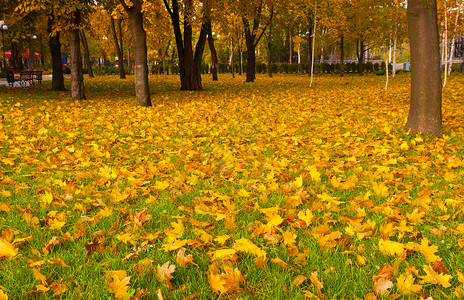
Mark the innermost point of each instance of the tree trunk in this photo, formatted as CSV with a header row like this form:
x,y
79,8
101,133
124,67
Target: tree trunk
x,y
214,59
55,51
394,50
342,55
360,53
232,62
77,80
118,45
139,39
269,52
425,110
86,52
189,65
290,47
251,58
453,41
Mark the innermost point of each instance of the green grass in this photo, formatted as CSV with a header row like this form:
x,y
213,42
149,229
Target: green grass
x,y
103,160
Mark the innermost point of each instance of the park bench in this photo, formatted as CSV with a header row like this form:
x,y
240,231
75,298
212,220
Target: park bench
x,y
26,76
10,78
37,75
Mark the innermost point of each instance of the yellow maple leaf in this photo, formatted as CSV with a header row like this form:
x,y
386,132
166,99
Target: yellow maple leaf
x,y
405,284
319,285
279,262
380,189
221,253
222,239
390,248
243,193
39,276
46,199
217,283
435,278
247,246
164,273
5,193
3,295
428,251
161,185
7,249
119,285
193,180
315,175
298,182
55,224
289,238
307,216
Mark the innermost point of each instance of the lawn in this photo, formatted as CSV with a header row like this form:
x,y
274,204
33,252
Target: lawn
x,y
270,190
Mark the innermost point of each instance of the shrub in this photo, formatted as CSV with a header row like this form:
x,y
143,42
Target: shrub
x,y
368,67
376,67
67,70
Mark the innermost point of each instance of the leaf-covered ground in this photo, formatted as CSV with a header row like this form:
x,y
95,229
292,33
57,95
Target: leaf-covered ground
x,y
271,190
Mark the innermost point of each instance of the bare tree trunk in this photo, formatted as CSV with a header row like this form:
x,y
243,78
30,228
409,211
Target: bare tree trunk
x,y
77,80
189,62
290,47
139,38
453,41
425,113
214,59
342,55
394,50
314,43
118,45
55,50
445,49
232,62
86,52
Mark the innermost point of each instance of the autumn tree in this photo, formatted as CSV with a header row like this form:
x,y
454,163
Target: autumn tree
x,y
425,109
139,39
189,60
253,17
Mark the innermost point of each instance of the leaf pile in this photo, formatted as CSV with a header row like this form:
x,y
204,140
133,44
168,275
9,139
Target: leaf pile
x,y
270,190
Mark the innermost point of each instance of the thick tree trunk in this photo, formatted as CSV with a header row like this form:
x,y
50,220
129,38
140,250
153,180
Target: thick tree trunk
x,y
118,45
139,39
86,52
425,111
77,80
251,60
55,51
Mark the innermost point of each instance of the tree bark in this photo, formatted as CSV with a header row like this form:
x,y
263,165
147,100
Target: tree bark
x,y
86,52
77,80
189,62
425,113
342,55
360,50
119,49
214,59
139,39
55,51
252,39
